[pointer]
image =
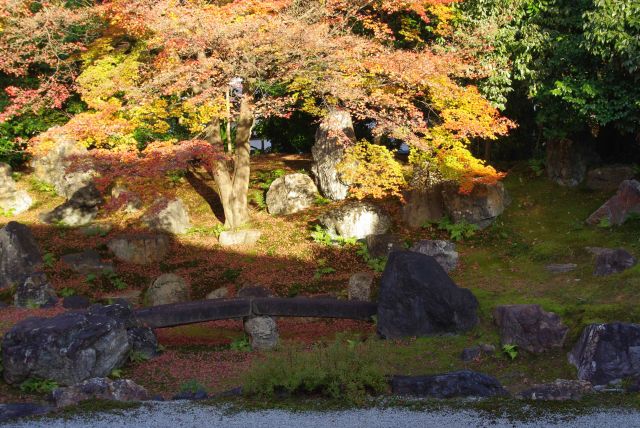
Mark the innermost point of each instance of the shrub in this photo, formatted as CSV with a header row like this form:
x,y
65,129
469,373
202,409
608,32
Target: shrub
x,y
342,371
38,386
372,171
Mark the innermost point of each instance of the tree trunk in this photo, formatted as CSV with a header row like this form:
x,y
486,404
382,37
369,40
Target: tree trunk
x,y
233,183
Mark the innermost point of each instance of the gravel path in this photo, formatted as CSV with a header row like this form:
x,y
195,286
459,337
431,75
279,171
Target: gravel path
x,y
188,414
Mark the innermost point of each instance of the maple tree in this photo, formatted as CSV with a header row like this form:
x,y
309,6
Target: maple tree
x,y
165,75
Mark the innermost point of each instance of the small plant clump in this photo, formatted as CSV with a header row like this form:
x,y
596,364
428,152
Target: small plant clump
x,y
457,231
341,370
510,351
35,385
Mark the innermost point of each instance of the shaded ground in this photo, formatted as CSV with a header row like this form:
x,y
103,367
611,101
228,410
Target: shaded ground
x,y
504,264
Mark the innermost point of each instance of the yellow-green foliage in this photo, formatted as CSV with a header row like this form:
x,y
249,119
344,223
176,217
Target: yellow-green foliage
x,y
372,171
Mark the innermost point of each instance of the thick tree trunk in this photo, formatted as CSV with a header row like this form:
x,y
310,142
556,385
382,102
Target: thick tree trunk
x,y
233,184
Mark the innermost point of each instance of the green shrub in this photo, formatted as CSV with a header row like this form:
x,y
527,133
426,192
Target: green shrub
x,y
35,385
342,371
241,344
457,231
377,264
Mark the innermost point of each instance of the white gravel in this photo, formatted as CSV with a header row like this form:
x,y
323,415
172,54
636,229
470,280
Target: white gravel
x,y
188,414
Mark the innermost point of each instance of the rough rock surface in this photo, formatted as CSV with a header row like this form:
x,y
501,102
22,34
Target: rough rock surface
x,y
76,302
52,167
609,177
35,291
168,216
167,288
619,207
126,200
19,254
262,331
230,238
380,246
12,199
566,162
611,260
475,352
219,293
86,262
99,388
71,347
462,383
423,206
290,194
443,251
560,267
559,390
328,151
480,207
360,285
140,249
417,298
607,353
81,209
530,327
356,220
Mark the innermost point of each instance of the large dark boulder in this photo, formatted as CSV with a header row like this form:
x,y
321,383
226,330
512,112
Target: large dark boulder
x,y
19,255
462,383
607,352
10,411
621,206
423,205
530,327
417,298
71,347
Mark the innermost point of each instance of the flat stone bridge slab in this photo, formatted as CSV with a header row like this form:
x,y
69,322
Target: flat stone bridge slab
x,y
218,309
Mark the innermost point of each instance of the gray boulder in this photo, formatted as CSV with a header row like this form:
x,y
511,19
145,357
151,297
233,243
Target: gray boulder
x,y
52,167
86,262
464,383
560,267
99,388
230,238
360,285
356,220
81,209
566,162
443,251
125,199
140,249
19,255
609,177
218,293
607,353
12,200
417,298
69,348
290,194
621,206
559,390
480,207
476,352
35,291
333,135
262,331
167,288
611,260
168,216
530,328
423,205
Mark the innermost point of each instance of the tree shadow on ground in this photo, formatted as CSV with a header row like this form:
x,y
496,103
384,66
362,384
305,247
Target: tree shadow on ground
x,y
199,183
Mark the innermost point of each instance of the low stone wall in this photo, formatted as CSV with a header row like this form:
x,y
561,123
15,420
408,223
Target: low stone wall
x,y
210,310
